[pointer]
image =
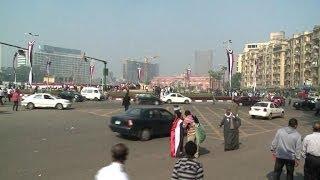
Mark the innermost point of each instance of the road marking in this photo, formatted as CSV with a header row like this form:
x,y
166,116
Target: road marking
x,y
206,120
111,112
222,117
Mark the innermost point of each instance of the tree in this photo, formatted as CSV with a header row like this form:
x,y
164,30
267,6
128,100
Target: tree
x,y
235,82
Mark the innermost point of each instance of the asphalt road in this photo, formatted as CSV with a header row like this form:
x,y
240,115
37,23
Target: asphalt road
x,y
75,144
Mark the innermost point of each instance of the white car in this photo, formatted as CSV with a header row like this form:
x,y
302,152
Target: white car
x,y
176,98
266,109
92,93
45,100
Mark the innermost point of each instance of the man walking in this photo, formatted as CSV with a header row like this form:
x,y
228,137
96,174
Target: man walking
x,y
15,98
115,170
311,153
1,96
187,167
231,124
286,147
126,101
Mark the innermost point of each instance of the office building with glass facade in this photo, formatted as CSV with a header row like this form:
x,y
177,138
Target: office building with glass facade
x,y
148,71
67,65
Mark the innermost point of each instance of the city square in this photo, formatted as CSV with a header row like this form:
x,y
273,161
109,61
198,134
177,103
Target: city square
x,y
74,143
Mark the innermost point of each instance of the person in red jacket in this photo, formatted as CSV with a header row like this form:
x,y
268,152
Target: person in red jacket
x,y
15,98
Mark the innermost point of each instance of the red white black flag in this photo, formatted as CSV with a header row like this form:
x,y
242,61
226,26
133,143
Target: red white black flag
x,y
230,61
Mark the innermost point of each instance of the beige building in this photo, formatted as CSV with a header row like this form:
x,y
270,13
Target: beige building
x,y
282,63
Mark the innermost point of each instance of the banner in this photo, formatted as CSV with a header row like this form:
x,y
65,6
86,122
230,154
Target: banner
x,y
30,49
14,62
139,73
48,67
230,61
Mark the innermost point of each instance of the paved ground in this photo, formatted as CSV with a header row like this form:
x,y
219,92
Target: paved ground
x,y
74,144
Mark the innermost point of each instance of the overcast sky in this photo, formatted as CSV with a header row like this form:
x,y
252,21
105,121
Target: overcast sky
x,y
171,29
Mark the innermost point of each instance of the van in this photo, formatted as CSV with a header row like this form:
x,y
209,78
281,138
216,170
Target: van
x,y
92,93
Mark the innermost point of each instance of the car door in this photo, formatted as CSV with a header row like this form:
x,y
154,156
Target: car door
x,y
49,101
277,109
273,109
180,98
154,119
173,98
166,121
37,100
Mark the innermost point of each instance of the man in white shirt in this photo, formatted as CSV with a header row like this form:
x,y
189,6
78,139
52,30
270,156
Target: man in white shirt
x,y
311,153
115,170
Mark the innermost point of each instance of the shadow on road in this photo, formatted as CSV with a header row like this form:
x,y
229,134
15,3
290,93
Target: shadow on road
x,y
5,112
297,176
203,151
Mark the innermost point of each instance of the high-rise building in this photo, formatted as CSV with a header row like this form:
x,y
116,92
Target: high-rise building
x,y
147,71
22,60
203,61
67,65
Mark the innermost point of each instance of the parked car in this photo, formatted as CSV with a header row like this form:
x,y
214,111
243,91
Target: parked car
x,y
176,98
71,96
266,109
278,100
246,100
142,122
306,104
45,100
92,93
147,99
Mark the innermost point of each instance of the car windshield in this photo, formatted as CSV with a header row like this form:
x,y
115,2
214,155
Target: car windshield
x,y
133,112
261,105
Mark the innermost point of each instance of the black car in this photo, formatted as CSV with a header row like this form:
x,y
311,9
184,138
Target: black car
x,y
306,104
246,100
142,122
71,96
147,99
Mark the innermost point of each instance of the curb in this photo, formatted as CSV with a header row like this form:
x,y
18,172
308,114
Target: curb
x,y
196,100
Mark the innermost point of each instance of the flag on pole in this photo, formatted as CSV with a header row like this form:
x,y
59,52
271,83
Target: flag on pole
x,y
230,61
139,73
30,49
188,73
91,69
14,60
48,67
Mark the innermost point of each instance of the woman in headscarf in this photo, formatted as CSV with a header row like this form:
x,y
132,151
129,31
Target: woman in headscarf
x,y
176,135
231,125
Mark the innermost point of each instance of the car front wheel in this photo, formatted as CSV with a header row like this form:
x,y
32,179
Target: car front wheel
x,y
169,101
145,135
30,106
59,106
186,101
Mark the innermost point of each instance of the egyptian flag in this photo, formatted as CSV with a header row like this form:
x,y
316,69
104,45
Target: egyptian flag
x,y
14,60
48,67
139,73
230,61
30,49
176,137
91,70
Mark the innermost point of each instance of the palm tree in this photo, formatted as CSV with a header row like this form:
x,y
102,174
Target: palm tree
x,y
217,75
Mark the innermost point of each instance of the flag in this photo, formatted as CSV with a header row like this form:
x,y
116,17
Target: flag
x,y
91,70
14,62
230,61
48,67
188,73
30,49
139,73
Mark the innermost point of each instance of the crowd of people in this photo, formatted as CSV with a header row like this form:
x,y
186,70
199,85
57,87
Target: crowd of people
x,y
10,95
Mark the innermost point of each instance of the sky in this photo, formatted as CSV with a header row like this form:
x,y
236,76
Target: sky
x,y
171,29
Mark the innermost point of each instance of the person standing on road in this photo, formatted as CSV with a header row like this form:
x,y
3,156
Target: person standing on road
x,y
187,167
317,107
15,98
115,170
286,148
290,99
190,127
177,135
311,153
126,101
231,124
1,96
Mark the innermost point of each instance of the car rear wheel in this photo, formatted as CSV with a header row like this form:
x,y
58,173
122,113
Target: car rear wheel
x,y
169,101
156,103
30,106
145,135
96,99
59,106
270,116
186,102
282,115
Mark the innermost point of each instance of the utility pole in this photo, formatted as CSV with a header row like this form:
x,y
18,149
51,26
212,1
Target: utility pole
x,y
105,70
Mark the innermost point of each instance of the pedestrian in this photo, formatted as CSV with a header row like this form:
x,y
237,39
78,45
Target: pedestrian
x,y
187,167
126,101
10,92
311,153
317,107
177,135
115,170
286,148
15,98
1,96
290,99
190,127
231,124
